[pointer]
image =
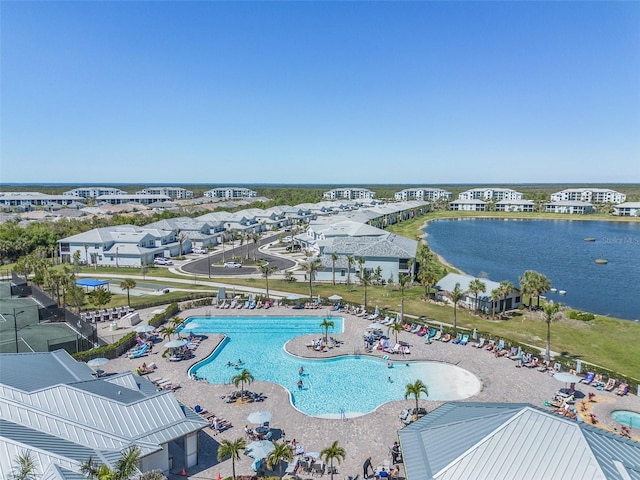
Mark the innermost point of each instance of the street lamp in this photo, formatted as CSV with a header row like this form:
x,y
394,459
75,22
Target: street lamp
x,y
209,263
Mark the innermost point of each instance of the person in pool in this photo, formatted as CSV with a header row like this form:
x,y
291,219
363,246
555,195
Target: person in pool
x,y
300,384
301,371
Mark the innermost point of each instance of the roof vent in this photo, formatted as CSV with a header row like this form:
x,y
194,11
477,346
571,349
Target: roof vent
x,y
119,392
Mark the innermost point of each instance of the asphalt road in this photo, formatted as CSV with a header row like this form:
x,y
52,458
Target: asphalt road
x,y
201,266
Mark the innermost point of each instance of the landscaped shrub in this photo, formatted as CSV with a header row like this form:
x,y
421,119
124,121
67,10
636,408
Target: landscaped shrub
x,y
578,315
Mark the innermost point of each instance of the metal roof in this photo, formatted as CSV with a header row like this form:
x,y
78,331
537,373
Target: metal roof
x,y
505,441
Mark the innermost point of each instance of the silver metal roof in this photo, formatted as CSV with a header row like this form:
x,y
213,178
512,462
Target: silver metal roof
x,y
505,441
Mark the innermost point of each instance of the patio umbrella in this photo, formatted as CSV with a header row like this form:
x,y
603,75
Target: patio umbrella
x,y
294,296
566,377
312,454
335,298
190,326
259,417
475,334
145,328
260,449
377,310
175,344
97,362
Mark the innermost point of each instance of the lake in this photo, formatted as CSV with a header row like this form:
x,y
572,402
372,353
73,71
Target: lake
x,y
502,249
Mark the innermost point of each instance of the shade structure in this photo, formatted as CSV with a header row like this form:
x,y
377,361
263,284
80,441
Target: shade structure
x,y
566,377
175,344
190,326
334,298
375,326
260,417
260,449
294,296
312,454
97,362
145,328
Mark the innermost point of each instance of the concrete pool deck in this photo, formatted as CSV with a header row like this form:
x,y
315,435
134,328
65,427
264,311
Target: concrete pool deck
x,y
368,435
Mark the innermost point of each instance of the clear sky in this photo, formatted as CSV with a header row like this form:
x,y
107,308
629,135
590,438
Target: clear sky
x,y
320,92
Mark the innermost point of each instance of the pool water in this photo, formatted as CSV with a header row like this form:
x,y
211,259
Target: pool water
x,y
626,417
349,386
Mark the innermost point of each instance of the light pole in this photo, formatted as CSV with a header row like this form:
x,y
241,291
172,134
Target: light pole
x,y
15,325
117,257
209,263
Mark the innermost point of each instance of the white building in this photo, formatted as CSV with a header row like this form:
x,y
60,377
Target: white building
x,y
349,193
201,234
590,195
29,200
93,192
142,198
569,206
468,205
122,246
628,209
426,194
230,192
495,194
515,206
57,411
447,284
177,193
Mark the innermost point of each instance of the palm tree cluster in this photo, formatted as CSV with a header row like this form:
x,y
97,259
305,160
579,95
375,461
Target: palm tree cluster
x,y
534,284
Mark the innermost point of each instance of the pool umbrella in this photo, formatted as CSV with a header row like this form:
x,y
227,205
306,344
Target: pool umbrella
x,y
335,298
259,417
475,334
190,326
566,377
175,344
260,449
312,454
294,296
97,362
145,328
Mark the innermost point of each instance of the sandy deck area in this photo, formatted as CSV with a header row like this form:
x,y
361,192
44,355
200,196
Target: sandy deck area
x,y
368,435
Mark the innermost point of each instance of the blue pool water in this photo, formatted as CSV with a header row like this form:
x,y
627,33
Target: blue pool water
x,y
351,385
627,417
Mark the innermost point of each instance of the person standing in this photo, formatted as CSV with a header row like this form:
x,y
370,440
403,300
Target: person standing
x,y
366,467
395,452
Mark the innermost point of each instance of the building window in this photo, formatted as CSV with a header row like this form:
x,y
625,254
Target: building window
x,y
343,273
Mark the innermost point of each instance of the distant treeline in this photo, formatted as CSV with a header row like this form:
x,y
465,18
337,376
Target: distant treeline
x,y
294,194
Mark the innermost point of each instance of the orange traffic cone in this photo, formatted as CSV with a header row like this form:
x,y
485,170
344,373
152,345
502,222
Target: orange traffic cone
x,y
184,473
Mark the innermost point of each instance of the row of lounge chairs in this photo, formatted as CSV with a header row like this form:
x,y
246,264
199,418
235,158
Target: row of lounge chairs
x,y
247,304
596,380
250,396
216,423
106,315
164,384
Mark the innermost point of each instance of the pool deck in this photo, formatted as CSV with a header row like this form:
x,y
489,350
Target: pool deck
x,y
368,435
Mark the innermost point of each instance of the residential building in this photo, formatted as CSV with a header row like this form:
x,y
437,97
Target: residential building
x,y
93,192
590,195
627,209
142,198
495,194
177,193
474,440
569,206
199,233
230,192
447,284
427,194
124,245
24,201
349,193
468,205
56,410
515,206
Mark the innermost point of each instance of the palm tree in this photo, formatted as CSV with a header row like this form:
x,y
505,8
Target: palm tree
x,y
243,377
475,287
256,238
456,295
75,297
326,324
267,270
127,284
176,321
541,285
550,311
167,331
396,327
350,261
365,280
334,258
527,285
25,467
281,452
496,293
334,452
181,238
312,267
415,390
100,296
231,449
506,287
124,469
403,280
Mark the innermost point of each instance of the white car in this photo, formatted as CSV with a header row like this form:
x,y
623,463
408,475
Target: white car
x,y
232,265
287,239
199,250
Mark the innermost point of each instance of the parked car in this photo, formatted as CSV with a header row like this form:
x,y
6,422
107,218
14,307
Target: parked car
x,y
162,261
287,239
232,265
294,247
199,250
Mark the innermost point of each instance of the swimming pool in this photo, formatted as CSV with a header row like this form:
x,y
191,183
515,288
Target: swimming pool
x,y
349,386
627,417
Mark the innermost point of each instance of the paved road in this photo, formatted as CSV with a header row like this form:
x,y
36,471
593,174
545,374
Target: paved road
x,y
201,267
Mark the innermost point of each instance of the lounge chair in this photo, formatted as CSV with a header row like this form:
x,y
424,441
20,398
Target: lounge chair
x,y
417,328
623,389
423,331
446,338
140,352
480,344
514,354
458,339
588,378
437,335
597,381
464,340
611,384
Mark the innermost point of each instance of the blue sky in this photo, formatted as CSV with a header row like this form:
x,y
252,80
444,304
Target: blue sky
x,y
320,92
